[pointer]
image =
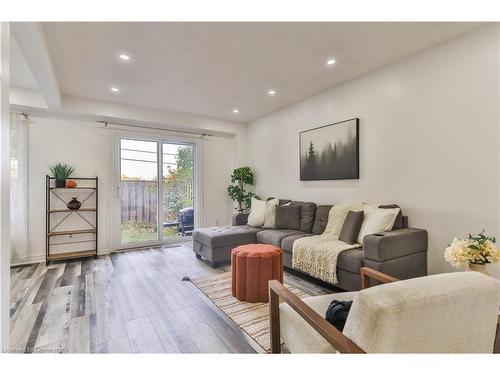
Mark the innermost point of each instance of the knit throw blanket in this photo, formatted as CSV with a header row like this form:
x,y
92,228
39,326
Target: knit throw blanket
x,y
317,255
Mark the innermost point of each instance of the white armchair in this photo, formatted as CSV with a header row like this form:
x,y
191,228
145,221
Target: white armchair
x,y
445,313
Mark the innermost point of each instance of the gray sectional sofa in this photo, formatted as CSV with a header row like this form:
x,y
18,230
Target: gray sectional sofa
x,y
401,252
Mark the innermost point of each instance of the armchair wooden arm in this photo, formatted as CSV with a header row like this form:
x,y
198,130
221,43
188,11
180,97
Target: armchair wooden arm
x,y
331,334
367,273
324,328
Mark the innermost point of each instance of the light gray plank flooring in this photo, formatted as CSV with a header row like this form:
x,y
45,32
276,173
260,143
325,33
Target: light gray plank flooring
x,y
129,302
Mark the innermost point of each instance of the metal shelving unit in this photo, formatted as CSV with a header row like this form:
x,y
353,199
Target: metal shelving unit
x,y
51,228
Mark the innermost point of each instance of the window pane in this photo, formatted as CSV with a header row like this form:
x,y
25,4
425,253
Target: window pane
x,y
139,203
178,198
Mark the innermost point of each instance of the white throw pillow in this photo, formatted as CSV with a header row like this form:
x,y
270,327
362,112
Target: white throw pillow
x,y
257,214
270,214
376,220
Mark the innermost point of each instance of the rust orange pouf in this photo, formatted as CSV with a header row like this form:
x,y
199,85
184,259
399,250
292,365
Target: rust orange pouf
x,y
252,267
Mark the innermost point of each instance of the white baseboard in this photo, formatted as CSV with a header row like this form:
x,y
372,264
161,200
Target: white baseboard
x,y
40,258
27,260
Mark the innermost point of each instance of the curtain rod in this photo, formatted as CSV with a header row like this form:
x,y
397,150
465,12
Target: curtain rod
x,y
106,123
24,114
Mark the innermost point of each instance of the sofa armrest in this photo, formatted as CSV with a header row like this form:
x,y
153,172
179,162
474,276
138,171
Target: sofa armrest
x,y
240,219
394,244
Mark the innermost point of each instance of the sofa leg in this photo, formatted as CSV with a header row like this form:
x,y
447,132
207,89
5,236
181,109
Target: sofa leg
x,y
198,256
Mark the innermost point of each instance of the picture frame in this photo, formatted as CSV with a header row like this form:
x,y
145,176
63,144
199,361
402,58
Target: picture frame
x,y
330,152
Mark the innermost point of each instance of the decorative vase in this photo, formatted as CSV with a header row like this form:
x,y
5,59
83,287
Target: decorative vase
x,y
60,183
479,268
74,204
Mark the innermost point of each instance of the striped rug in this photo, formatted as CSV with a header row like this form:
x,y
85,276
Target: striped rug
x,y
253,318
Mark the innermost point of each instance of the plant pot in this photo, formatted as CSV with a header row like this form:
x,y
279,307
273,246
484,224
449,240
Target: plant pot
x,y
479,268
60,183
74,204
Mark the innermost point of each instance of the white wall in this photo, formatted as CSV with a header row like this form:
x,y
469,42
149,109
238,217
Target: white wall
x,y
89,147
4,186
32,102
429,141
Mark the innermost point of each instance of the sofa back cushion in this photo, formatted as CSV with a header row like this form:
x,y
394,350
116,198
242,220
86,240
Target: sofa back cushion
x,y
288,217
281,202
321,219
307,213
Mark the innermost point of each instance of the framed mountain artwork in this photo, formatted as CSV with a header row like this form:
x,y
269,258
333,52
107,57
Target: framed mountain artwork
x,y
330,152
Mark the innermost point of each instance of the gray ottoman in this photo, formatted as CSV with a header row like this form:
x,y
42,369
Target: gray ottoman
x,y
215,243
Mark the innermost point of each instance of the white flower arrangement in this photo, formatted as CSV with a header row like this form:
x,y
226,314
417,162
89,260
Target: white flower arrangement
x,y
478,249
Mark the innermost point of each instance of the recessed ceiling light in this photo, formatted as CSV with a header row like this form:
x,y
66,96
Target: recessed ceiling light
x,y
271,92
124,57
115,89
330,62
236,110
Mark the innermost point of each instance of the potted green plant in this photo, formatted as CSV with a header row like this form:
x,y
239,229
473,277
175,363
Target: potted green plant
x,y
240,178
61,172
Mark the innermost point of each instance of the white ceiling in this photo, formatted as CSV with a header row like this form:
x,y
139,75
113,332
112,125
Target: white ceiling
x,y
211,68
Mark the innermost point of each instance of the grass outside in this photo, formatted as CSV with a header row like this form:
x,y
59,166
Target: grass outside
x,y
134,231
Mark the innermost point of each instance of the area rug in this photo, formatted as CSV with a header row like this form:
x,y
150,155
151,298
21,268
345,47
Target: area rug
x,y
253,318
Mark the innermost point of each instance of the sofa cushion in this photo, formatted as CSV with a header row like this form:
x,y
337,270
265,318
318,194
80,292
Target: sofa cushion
x,y
307,213
350,228
225,236
287,242
288,217
351,260
321,219
274,236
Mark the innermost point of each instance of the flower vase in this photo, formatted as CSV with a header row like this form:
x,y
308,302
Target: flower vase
x,y
479,268
74,204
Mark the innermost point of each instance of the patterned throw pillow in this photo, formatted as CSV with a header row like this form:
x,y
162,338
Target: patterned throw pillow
x,y
270,213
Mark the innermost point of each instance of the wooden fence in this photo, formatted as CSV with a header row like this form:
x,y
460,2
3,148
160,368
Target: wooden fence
x,y
139,201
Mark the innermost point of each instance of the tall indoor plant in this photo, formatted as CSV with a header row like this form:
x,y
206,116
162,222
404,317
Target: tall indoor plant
x,y
61,172
240,179
473,252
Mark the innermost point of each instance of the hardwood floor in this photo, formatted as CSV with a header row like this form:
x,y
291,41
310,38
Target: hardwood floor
x,y
130,302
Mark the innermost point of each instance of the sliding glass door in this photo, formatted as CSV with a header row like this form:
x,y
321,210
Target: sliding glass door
x,y
156,191
178,192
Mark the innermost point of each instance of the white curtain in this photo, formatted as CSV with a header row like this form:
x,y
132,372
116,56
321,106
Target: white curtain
x,y
19,185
